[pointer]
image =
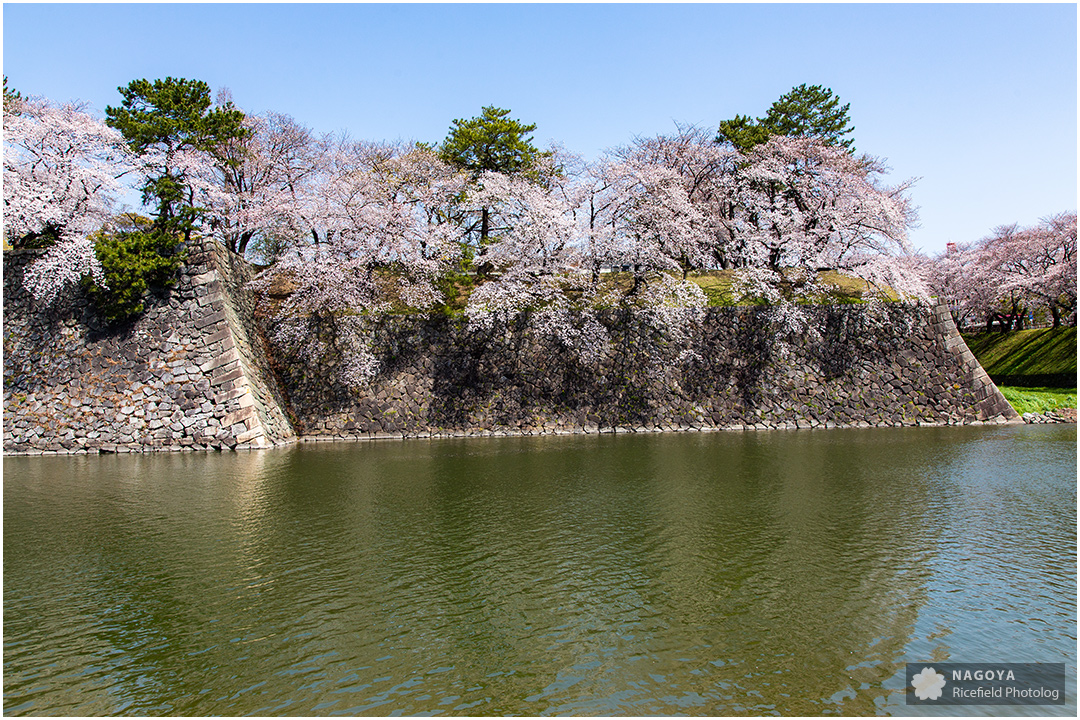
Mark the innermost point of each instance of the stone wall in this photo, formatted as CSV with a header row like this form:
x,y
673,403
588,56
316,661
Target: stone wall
x,y
858,366
195,373
188,374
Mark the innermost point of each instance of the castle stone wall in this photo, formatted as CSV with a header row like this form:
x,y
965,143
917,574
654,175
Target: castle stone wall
x,y
189,373
194,372
855,366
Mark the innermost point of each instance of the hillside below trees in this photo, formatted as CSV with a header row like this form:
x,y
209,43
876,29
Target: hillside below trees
x,y
1028,358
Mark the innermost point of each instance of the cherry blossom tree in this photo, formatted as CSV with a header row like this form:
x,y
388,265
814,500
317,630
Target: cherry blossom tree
x,y
704,169
802,207
1034,265
62,173
534,261
553,239
776,215
959,278
374,216
253,178
1003,276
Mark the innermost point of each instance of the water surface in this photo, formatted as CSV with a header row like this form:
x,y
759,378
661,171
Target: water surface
x,y
719,573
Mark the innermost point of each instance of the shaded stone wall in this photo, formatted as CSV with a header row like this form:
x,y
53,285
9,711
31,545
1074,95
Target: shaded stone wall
x,y
853,366
187,374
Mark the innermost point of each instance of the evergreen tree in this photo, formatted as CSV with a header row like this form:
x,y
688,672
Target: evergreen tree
x,y
743,132
492,142
804,111
12,99
170,119
811,111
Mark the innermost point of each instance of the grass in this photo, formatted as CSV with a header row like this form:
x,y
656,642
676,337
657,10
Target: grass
x,y
717,286
1039,400
1050,351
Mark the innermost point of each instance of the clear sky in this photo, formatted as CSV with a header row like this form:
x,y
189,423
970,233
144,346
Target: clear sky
x,y
979,101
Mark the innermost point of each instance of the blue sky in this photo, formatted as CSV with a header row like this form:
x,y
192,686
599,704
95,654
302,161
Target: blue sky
x,y
979,101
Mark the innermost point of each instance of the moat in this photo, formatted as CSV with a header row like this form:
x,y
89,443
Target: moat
x,y
785,572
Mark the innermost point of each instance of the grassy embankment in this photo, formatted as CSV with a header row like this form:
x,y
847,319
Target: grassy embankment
x,y
1034,369
716,284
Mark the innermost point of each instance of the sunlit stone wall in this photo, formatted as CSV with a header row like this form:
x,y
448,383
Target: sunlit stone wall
x,y
188,374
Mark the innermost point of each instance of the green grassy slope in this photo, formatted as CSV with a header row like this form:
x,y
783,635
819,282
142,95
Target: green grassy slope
x,y
1028,358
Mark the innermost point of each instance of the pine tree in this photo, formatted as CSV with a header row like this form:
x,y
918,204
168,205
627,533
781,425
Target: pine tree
x,y
171,117
492,142
811,111
805,111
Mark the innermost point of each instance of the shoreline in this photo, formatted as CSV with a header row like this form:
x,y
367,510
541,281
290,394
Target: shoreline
x,y
114,449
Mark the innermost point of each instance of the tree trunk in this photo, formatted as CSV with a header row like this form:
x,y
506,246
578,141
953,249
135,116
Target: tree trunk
x,y
638,280
245,238
1055,313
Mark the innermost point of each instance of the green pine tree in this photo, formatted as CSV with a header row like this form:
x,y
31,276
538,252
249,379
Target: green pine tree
x,y
811,111
12,99
492,142
804,111
171,115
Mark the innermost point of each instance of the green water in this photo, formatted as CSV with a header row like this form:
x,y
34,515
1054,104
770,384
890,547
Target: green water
x,y
721,573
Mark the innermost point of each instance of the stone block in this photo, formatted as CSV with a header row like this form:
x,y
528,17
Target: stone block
x,y
249,436
205,278
220,380
238,415
210,319
231,355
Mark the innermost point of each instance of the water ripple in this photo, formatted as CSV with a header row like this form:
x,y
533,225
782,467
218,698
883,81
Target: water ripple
x,y
786,573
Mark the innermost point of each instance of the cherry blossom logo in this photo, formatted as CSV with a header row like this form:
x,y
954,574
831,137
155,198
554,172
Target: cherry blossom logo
x,y
928,684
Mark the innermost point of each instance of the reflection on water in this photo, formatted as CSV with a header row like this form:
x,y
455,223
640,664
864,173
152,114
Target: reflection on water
x,y
784,572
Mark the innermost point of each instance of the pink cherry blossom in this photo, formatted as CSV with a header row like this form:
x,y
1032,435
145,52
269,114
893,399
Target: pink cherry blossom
x,y
62,173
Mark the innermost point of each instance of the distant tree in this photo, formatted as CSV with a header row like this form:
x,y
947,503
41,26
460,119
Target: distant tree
x,y
171,125
961,279
496,143
1007,274
1034,265
12,99
778,214
804,111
